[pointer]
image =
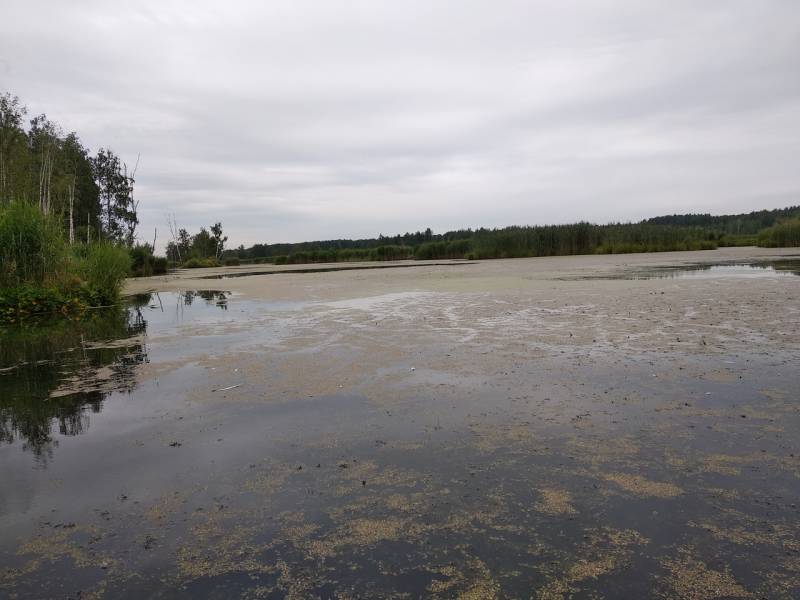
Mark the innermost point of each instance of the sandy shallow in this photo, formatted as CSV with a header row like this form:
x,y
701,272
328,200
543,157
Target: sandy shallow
x,y
513,428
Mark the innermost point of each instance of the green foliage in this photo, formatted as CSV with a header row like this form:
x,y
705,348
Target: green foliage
x,y
21,302
32,248
144,263
675,232
440,250
736,225
104,269
199,263
115,186
41,166
40,276
232,262
515,242
732,239
782,235
392,253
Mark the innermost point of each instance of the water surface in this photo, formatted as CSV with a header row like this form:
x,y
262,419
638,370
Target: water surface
x,y
644,475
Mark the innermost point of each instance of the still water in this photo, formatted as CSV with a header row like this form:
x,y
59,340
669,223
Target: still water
x,y
131,469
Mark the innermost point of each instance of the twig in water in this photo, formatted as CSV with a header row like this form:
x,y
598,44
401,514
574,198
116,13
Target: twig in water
x,y
225,389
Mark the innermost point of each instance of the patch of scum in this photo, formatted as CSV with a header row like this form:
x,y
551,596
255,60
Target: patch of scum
x,y
604,551
691,579
69,544
643,487
555,501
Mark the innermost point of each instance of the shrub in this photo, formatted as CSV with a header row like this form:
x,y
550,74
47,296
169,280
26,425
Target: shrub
x,y
232,262
200,263
144,263
160,265
104,269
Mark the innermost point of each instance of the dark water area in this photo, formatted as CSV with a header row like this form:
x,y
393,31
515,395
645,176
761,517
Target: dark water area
x,y
53,375
637,478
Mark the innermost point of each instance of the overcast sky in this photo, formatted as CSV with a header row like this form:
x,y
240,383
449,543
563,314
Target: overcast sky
x,y
291,121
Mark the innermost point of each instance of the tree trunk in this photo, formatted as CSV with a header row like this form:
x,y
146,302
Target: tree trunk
x,y
71,214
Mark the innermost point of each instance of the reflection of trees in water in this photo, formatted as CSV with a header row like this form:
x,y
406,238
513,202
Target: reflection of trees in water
x,y
36,360
211,297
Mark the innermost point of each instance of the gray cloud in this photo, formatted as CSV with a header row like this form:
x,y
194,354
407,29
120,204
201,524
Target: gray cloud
x,y
296,120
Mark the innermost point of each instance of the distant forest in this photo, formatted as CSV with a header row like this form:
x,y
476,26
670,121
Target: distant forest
x,y
666,233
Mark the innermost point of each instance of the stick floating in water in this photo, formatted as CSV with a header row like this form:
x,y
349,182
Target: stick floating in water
x,y
225,389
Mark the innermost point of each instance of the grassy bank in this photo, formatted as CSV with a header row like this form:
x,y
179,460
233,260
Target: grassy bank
x,y
42,275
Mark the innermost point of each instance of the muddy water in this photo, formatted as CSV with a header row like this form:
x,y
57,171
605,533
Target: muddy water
x,y
412,443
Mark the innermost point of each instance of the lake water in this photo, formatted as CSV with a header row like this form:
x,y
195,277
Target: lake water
x,y
132,466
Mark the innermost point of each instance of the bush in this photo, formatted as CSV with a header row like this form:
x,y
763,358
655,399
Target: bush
x,y
144,263
232,262
200,263
104,270
160,265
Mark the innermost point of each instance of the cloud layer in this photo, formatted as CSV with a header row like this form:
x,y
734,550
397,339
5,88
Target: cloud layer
x,y
300,120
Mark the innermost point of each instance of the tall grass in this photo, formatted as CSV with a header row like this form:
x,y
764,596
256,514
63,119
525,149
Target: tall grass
x,y
104,270
42,275
32,247
782,235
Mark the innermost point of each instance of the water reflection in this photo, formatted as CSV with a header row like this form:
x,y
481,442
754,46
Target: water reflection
x,y
54,375
749,270
219,299
738,270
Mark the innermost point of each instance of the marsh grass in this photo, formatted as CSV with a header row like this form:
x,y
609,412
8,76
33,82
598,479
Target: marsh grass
x,y
42,275
104,270
32,248
781,235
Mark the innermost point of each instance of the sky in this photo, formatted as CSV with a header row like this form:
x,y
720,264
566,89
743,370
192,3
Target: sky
x,y
302,120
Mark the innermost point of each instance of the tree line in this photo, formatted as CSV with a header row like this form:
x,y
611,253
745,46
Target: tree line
x,y
90,195
68,220
668,233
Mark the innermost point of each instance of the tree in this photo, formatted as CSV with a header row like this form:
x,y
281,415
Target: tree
x,y
45,139
219,239
118,217
203,244
78,179
184,243
12,139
